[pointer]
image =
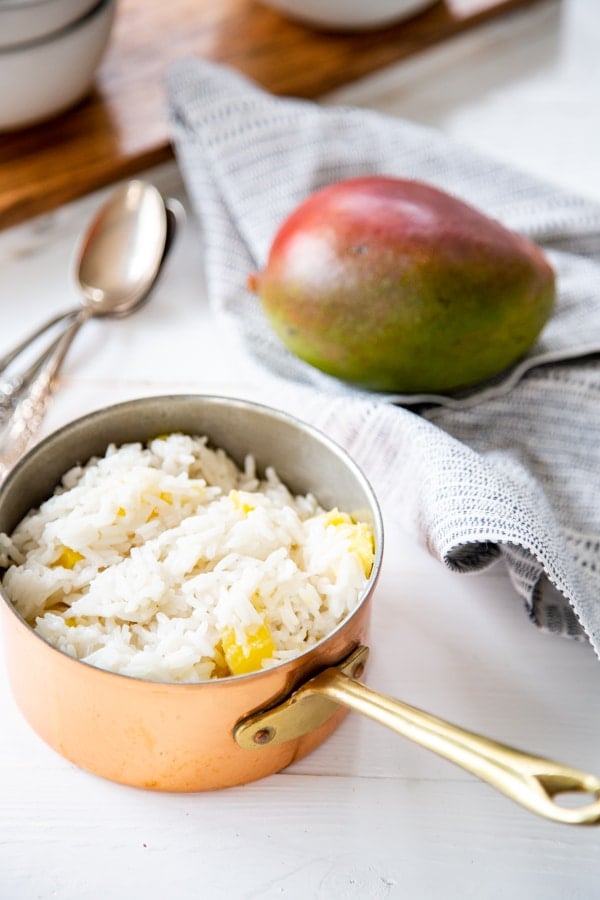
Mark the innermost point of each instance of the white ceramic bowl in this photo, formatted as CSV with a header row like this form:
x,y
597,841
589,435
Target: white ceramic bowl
x,y
349,15
47,76
23,21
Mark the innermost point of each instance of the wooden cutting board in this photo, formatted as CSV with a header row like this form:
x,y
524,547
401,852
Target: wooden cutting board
x,y
121,128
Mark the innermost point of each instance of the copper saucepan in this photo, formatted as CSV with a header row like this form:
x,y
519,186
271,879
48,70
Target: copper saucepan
x,y
192,737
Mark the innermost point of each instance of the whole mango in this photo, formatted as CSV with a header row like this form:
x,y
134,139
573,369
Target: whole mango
x,y
394,285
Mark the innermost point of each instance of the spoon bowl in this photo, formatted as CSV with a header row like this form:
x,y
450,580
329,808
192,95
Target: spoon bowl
x,y
122,251
117,265
118,259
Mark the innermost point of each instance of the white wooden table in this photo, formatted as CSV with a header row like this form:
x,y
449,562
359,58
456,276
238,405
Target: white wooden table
x,y
368,815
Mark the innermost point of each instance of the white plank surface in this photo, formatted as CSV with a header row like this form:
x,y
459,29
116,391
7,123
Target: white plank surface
x,y
368,815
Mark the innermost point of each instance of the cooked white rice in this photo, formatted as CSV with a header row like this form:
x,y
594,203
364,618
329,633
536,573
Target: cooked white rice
x,y
169,563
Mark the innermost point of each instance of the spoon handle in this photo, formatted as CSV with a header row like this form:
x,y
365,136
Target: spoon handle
x,y
22,409
16,351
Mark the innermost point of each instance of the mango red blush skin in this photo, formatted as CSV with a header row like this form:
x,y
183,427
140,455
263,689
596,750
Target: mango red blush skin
x,y
395,285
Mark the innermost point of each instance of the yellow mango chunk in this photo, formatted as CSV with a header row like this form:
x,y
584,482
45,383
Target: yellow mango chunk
x,y
248,657
121,511
220,669
165,496
239,503
71,622
335,517
358,534
362,543
67,559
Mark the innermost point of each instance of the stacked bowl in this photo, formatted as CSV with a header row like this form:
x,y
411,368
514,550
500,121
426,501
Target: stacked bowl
x,y
49,52
349,15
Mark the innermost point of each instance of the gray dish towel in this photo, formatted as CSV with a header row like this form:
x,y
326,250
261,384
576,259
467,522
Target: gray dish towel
x,y
511,469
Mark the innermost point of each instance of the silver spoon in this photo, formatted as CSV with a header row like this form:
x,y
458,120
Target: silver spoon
x,y
117,260
117,265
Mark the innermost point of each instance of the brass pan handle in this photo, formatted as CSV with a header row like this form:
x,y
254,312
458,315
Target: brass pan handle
x,y
532,781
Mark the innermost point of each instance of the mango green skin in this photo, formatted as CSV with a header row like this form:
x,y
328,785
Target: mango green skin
x,y
396,286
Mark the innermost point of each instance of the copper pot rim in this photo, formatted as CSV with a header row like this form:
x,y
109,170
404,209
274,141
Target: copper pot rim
x,y
285,667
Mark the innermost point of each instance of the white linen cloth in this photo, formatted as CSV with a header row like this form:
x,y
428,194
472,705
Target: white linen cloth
x,y
510,469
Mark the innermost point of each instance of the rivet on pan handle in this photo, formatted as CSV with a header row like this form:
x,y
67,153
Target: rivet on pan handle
x,y
532,781
302,712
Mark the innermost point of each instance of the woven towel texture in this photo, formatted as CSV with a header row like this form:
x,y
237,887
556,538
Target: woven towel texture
x,y
508,470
